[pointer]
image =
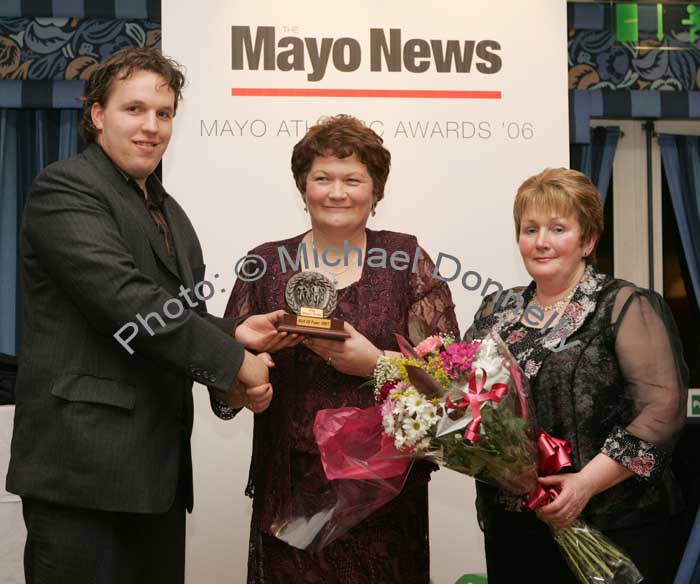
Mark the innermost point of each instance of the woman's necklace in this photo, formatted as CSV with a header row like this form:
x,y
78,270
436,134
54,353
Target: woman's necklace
x,y
333,275
558,305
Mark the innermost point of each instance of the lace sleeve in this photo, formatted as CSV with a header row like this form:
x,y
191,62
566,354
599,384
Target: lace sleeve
x,y
241,303
649,352
432,310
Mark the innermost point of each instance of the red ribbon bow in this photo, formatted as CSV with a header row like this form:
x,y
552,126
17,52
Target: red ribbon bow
x,y
554,455
474,398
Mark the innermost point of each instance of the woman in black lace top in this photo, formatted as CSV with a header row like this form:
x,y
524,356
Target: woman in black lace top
x,y
606,372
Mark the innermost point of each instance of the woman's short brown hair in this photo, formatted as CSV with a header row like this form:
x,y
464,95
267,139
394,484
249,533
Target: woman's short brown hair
x,y
565,191
121,65
342,136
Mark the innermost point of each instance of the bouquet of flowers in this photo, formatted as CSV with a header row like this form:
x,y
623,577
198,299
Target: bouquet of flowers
x,y
464,406
461,405
479,422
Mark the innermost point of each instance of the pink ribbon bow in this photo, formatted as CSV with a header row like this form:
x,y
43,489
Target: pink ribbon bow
x,y
474,398
554,455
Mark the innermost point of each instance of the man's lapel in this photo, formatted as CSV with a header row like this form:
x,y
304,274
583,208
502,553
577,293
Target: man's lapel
x,y
177,236
137,207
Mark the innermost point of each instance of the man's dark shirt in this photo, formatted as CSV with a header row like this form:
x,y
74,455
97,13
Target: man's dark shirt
x,y
154,201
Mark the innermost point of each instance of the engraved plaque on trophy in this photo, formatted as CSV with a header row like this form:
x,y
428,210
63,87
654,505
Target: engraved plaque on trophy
x,y
312,298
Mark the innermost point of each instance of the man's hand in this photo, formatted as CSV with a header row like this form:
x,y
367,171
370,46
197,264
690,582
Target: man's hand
x,y
251,389
259,332
254,369
256,399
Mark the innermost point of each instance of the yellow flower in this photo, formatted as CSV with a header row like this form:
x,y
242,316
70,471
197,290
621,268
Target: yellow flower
x,y
401,366
435,369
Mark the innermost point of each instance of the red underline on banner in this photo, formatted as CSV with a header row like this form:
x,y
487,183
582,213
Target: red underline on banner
x,y
391,93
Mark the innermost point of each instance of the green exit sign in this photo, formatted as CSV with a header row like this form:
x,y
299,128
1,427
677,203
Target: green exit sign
x,y
694,402
626,23
629,18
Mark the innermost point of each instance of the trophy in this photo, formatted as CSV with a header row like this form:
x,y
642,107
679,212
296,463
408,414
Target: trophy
x,y
312,298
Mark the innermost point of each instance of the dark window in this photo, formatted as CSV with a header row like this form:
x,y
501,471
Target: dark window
x,y
604,252
678,289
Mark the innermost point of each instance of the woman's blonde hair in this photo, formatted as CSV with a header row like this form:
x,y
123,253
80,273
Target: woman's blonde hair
x,y
566,192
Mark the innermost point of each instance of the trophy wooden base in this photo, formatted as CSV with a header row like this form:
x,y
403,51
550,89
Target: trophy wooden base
x,y
324,328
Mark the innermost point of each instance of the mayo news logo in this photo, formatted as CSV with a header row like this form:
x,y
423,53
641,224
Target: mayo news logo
x,y
388,51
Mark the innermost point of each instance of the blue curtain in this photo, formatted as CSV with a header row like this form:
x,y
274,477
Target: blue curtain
x,y
29,140
595,160
681,159
689,570
8,230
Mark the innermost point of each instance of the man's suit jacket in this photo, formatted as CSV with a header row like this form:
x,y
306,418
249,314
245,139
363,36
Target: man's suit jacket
x,y
96,427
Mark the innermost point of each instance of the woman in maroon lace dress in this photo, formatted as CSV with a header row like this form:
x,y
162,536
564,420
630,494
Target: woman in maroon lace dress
x,y
340,168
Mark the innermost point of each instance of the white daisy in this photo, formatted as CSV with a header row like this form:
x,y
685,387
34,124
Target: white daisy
x,y
389,426
414,429
416,404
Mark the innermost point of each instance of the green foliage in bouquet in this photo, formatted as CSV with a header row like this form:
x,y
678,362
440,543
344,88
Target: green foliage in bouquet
x,y
503,454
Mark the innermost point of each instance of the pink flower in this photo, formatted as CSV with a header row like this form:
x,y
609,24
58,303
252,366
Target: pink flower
x,y
457,358
429,345
387,408
388,405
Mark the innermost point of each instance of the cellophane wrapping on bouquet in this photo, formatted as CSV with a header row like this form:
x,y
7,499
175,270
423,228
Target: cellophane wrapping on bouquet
x,y
464,406
364,471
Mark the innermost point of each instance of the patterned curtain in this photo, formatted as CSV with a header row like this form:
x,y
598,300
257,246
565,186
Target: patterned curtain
x,y
44,62
29,140
47,51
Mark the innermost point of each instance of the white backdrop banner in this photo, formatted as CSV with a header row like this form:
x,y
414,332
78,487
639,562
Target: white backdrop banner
x,y
469,97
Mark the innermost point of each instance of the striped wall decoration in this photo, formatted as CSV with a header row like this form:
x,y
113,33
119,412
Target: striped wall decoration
x,y
586,104
145,9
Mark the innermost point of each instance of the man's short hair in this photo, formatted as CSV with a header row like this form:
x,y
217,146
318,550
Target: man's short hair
x,y
121,65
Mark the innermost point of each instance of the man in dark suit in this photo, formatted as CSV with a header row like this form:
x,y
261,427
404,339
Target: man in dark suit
x,y
116,332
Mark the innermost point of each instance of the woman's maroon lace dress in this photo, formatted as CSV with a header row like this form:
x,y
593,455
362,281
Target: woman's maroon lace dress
x,y
390,546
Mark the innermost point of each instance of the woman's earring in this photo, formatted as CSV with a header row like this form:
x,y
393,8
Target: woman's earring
x,y
374,209
306,209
